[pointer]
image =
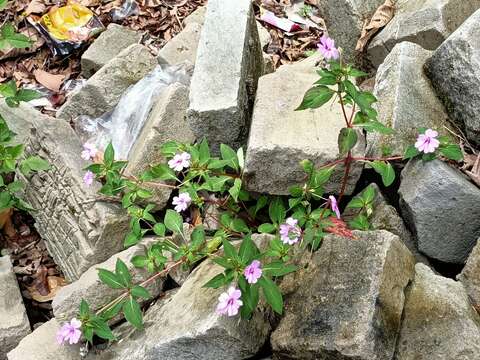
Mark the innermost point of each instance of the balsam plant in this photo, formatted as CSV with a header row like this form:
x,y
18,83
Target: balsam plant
x,y
202,181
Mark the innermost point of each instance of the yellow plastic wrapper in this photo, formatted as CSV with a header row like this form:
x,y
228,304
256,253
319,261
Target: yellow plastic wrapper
x,y
67,28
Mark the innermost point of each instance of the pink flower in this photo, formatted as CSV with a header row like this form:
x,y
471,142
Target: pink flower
x,y
253,272
89,151
70,332
88,178
180,161
182,201
334,205
427,142
290,232
327,48
229,302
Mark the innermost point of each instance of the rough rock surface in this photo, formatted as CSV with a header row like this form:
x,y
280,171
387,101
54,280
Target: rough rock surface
x,y
229,62
425,22
14,324
79,230
406,100
198,16
344,19
438,322
470,275
108,45
166,122
90,288
103,90
183,47
353,305
280,137
386,217
441,207
454,70
42,345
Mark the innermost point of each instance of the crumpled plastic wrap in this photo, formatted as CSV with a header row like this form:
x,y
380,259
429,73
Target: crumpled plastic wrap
x,y
123,125
67,28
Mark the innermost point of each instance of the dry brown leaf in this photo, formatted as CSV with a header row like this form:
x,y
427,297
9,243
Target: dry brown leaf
x,y
50,81
55,283
382,17
35,7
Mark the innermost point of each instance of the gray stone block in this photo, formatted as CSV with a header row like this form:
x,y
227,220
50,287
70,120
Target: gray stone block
x,y
280,137
424,22
183,47
229,62
79,231
406,100
108,45
166,122
438,321
90,288
42,345
470,275
103,90
441,207
14,324
454,70
197,17
352,306
344,19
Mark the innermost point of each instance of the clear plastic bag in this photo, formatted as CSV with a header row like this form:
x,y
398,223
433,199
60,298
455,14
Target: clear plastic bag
x,y
123,125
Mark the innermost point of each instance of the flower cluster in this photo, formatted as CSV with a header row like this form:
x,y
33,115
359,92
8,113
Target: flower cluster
x,y
70,332
427,142
290,232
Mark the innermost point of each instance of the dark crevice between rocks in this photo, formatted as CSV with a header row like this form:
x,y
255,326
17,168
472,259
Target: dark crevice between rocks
x,y
447,270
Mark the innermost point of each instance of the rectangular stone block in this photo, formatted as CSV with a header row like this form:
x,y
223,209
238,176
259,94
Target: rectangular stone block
x,y
281,137
66,303
78,229
424,22
183,47
14,324
108,45
406,100
103,90
229,62
352,306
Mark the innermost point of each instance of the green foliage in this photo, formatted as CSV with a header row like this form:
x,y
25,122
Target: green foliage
x,y
11,159
447,148
9,38
14,96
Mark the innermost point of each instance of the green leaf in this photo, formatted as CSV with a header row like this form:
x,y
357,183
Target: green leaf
x,y
139,261
410,152
238,225
109,155
228,154
347,140
110,279
357,73
356,203
360,222
173,221
385,170
272,294
229,249
250,297
316,97
376,126
112,311
101,328
235,189
328,79
452,152
84,309
162,172
133,312
123,274
322,176
27,95
139,291
267,228
159,229
278,268
131,239
248,250
9,36
8,89
3,4
217,281
33,163
276,210
198,236
429,157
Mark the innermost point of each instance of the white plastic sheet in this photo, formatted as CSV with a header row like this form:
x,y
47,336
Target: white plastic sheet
x,y
123,125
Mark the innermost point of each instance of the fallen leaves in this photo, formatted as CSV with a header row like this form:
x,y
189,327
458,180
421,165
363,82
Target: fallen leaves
x,y
36,7
380,18
50,81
